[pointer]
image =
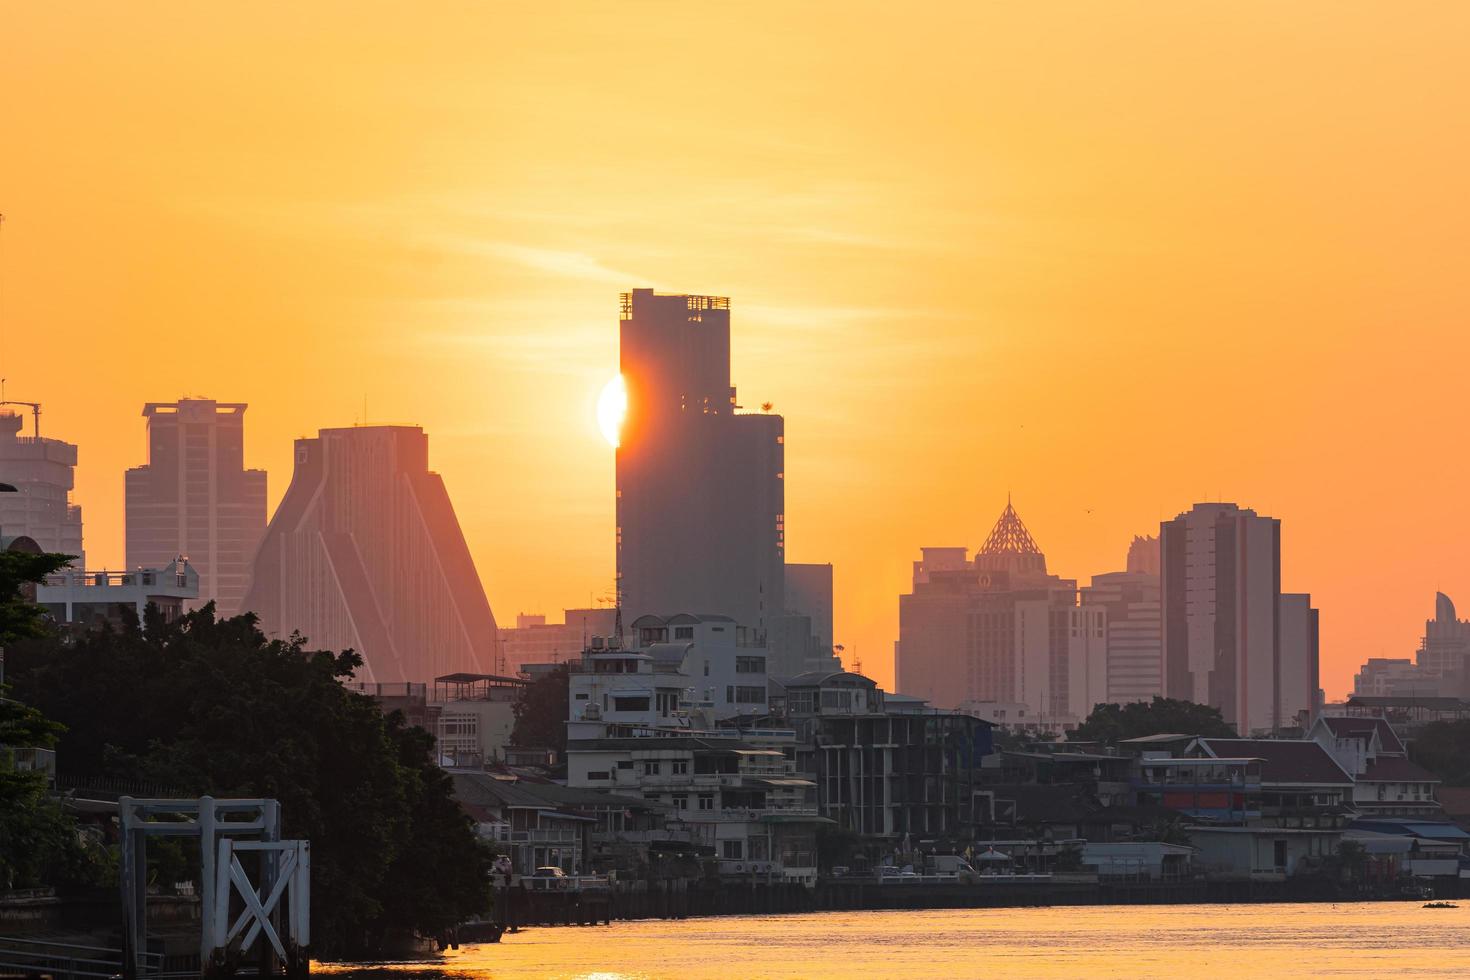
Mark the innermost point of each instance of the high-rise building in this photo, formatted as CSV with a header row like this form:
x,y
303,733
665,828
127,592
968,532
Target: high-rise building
x,y
535,641
999,628
42,472
700,485
365,552
1446,642
194,498
1223,621
1298,696
1135,647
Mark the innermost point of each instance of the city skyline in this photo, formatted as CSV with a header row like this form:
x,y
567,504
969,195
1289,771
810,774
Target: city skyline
x,y
1114,314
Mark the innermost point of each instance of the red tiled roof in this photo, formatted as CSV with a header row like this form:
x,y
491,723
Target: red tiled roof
x,y
1396,769
1364,728
1283,760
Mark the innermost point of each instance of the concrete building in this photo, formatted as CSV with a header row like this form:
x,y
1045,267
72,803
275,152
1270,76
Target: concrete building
x,y
1135,640
535,641
1386,783
1446,642
1384,677
194,497
885,770
700,485
473,717
43,474
684,671
90,599
1000,628
1222,618
1299,693
365,552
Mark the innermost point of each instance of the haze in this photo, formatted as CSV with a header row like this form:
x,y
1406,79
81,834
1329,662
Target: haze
x,y
1129,258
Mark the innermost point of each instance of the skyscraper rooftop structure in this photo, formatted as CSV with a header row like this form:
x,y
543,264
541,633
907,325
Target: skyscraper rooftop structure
x,y
365,552
1010,547
195,498
43,474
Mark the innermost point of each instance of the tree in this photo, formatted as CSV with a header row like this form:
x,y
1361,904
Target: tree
x,y
212,706
1112,723
1443,747
39,844
541,712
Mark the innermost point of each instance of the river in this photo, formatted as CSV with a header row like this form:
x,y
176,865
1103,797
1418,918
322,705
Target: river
x,y
1180,942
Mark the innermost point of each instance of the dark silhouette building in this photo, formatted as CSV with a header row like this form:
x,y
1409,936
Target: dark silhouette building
x,y
195,499
365,552
700,485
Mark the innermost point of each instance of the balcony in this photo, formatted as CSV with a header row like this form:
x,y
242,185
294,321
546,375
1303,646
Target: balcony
x,y
27,759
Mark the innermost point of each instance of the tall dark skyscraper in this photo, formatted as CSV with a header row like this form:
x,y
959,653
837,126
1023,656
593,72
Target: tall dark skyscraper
x,y
700,485
195,498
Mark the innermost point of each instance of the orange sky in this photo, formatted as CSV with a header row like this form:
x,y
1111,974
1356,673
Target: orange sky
x,y
1114,257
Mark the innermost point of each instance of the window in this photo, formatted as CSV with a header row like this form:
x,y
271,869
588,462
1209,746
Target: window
x,y
750,695
623,703
680,767
706,668
706,801
750,665
650,768
734,850
596,775
625,764
683,632
582,696
682,802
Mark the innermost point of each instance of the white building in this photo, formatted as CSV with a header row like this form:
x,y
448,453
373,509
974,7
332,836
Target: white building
x,y
43,474
1383,677
1386,783
685,671
95,598
535,641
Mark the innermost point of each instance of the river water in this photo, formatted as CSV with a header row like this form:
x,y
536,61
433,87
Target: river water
x,y
1180,942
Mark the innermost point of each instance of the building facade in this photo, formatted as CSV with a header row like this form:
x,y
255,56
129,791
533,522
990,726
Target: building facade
x,y
999,628
1446,642
532,640
1223,624
1135,638
700,485
43,474
365,552
89,599
195,498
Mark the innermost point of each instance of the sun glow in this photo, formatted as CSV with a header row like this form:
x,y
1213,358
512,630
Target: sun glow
x,y
612,405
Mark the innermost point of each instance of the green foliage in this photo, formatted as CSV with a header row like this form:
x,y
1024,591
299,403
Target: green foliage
x,y
39,844
1443,747
212,706
1112,723
19,615
541,712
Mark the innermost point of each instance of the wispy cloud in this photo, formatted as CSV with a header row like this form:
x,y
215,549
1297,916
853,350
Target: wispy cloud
x,y
563,263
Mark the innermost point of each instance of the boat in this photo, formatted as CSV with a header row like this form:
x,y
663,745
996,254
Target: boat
x,y
1440,905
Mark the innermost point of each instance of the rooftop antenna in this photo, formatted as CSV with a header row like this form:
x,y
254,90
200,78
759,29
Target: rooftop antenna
x,y
618,614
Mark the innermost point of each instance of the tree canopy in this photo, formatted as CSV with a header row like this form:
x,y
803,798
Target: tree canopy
x,y
1443,747
1112,723
541,712
211,706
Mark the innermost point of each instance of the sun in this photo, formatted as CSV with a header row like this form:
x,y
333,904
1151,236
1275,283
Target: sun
x,y
612,406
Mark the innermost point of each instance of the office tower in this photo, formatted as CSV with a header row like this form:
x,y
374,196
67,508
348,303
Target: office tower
x,y
700,485
194,498
809,593
42,472
1222,618
1298,699
1135,647
1446,642
365,552
999,628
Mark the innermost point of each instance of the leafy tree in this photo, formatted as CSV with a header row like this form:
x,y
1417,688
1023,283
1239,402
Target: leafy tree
x,y
1443,747
541,712
1112,723
38,841
212,706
